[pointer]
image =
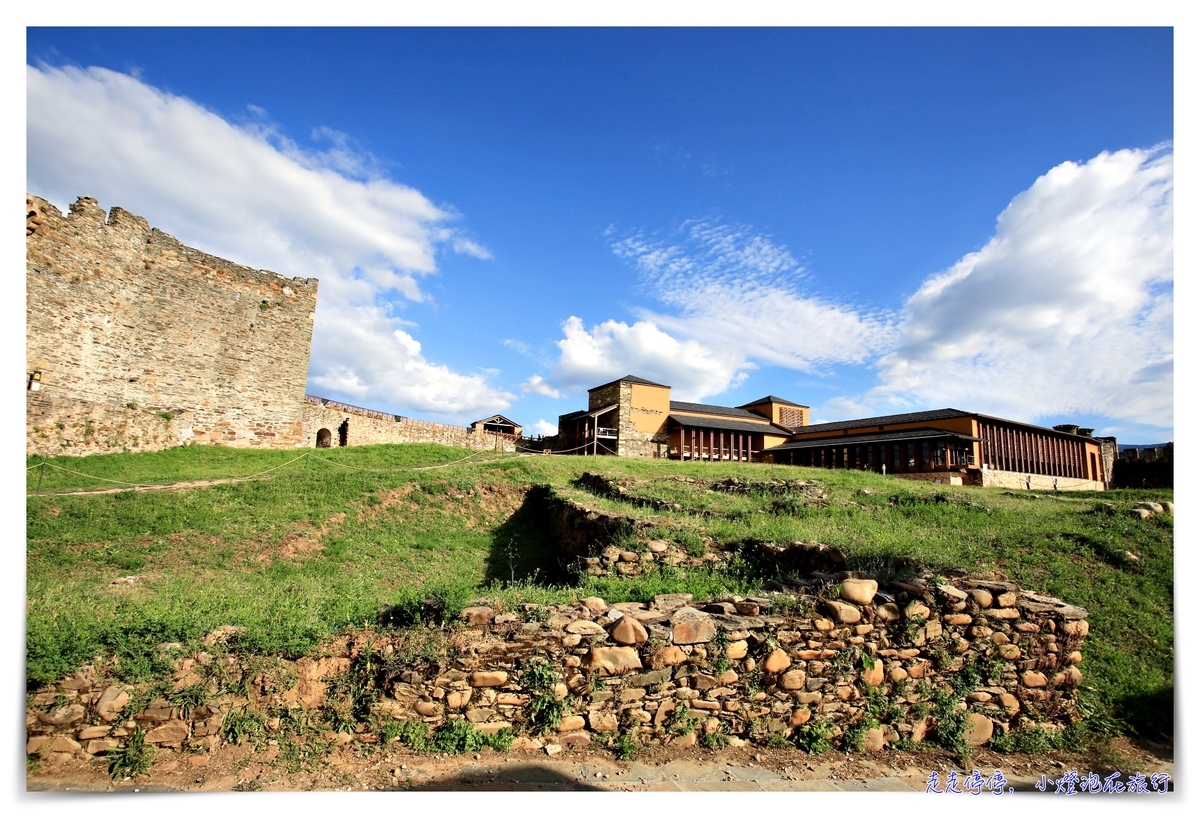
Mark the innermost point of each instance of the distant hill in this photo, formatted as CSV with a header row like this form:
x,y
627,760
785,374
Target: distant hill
x,y
1123,446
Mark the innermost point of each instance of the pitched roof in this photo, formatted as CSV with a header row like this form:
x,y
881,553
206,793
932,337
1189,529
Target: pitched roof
x,y
901,435
772,399
921,417
883,420
629,379
497,419
732,425
713,409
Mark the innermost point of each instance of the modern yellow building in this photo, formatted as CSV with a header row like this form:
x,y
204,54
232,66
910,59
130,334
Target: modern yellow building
x,y
953,446
634,417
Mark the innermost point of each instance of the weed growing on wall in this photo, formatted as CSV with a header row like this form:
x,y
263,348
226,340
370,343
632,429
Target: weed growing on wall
x,y
133,759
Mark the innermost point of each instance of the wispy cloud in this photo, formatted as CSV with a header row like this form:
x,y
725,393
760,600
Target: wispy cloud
x,y
1067,309
246,192
734,288
736,301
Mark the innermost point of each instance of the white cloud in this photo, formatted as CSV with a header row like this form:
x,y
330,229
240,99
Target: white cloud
x,y
1067,309
545,428
539,386
251,195
738,290
613,349
736,304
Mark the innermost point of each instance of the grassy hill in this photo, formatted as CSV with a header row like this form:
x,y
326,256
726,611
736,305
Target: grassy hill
x,y
323,543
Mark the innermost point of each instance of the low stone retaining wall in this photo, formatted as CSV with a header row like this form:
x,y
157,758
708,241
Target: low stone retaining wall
x,y
1038,482
959,661
589,534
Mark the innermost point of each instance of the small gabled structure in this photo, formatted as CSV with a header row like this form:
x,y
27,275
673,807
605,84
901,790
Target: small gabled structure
x,y
497,425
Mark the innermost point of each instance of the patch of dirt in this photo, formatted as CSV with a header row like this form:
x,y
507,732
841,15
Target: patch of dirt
x,y
305,538
362,766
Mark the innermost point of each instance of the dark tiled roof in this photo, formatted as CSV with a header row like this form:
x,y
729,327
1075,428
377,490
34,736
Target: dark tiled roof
x,y
762,426
497,419
713,409
921,417
902,435
588,412
910,417
772,399
629,379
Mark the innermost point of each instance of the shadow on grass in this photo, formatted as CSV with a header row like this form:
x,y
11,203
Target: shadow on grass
x,y
1151,714
523,549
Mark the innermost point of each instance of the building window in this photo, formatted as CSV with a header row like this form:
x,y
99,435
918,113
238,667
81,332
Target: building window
x,y
911,460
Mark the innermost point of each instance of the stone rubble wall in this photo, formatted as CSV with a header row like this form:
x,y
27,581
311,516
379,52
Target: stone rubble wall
x,y
1038,482
120,317
365,429
853,655
941,478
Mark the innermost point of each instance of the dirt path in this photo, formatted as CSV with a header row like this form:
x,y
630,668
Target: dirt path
x,y
190,484
360,768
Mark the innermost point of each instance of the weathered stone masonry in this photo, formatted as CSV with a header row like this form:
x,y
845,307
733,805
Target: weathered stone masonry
x,y
136,342
144,343
859,655
365,426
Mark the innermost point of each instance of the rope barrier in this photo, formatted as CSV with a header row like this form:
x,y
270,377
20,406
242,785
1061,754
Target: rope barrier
x,y
242,478
154,485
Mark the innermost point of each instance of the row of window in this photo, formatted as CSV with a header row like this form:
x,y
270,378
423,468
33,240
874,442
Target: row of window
x,y
924,455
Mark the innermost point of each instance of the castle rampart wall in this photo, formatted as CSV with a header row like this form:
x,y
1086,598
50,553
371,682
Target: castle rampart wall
x,y
365,426
143,343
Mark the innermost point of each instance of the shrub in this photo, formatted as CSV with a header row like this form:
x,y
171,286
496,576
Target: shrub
x,y
625,747
132,759
814,737
460,736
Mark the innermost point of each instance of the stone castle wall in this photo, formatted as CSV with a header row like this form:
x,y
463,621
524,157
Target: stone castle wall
x,y
143,343
367,426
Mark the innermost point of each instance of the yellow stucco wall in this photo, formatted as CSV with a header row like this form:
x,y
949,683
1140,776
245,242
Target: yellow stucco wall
x,y
649,407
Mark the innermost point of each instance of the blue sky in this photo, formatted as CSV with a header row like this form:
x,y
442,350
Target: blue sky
x,y
861,220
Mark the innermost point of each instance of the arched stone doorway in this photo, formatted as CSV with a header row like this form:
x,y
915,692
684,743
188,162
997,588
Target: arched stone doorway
x,y
344,432
324,438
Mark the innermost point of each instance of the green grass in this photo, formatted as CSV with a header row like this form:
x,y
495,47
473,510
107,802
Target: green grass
x,y
318,547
